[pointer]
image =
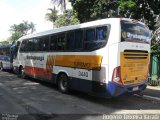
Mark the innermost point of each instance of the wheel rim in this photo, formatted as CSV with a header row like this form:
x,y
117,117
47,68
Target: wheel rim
x,y
1,66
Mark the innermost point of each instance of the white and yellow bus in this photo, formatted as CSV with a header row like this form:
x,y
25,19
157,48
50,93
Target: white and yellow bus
x,y
108,57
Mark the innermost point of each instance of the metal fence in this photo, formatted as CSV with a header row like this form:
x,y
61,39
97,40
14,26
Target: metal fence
x,y
154,71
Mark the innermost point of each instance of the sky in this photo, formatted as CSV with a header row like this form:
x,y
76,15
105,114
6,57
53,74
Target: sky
x,y
15,11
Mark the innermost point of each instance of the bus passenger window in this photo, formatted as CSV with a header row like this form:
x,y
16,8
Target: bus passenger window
x,y
46,43
101,33
53,42
90,35
70,41
43,43
23,46
96,40
40,44
61,43
32,44
78,39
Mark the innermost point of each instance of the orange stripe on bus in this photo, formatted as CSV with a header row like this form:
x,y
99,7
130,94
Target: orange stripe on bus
x,y
38,72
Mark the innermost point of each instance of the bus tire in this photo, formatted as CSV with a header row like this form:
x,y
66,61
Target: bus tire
x,y
63,83
1,66
21,73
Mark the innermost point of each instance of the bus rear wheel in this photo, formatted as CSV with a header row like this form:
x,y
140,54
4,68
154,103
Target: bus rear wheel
x,y
63,83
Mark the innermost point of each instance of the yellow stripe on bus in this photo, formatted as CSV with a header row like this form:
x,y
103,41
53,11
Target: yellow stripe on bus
x,y
76,61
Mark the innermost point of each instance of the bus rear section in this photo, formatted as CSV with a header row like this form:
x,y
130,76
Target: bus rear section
x,y
6,57
130,73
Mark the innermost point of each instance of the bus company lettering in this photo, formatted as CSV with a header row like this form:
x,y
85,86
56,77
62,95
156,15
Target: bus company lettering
x,y
82,65
40,58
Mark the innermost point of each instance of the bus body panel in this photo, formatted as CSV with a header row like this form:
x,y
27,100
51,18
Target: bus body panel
x,y
88,71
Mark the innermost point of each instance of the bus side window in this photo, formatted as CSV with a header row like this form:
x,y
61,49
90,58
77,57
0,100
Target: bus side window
x,y
53,42
89,39
95,38
61,42
90,35
101,36
23,46
70,40
31,45
101,33
78,39
43,43
46,43
40,44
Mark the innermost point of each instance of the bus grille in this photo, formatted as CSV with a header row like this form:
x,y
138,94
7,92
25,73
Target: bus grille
x,y
135,54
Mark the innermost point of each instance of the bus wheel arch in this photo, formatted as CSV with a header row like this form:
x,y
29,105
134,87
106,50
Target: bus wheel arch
x,y
63,82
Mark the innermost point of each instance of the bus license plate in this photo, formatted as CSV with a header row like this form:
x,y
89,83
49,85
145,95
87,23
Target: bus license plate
x,y
135,88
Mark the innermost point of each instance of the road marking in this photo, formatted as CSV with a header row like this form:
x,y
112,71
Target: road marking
x,y
148,97
31,83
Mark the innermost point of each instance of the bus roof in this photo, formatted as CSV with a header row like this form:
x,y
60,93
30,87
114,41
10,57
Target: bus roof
x,y
73,27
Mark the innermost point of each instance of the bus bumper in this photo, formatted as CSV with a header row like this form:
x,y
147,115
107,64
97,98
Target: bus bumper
x,y
121,90
114,90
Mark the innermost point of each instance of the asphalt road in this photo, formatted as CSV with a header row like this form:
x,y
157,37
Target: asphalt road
x,y
28,99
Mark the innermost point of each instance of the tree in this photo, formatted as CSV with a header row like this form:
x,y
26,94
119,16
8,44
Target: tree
x,y
4,42
21,29
32,27
94,9
61,3
156,38
52,15
144,10
69,17
14,37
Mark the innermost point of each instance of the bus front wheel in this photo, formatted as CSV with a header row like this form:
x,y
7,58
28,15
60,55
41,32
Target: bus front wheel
x,y
1,66
63,83
21,72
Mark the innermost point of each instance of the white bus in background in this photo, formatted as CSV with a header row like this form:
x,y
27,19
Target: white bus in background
x,y
108,57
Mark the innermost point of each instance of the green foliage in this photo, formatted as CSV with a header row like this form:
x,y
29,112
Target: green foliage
x,y
52,15
15,36
23,28
144,10
20,30
4,42
88,10
126,4
67,18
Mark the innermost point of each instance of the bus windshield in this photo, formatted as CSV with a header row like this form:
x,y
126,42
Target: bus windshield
x,y
134,32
